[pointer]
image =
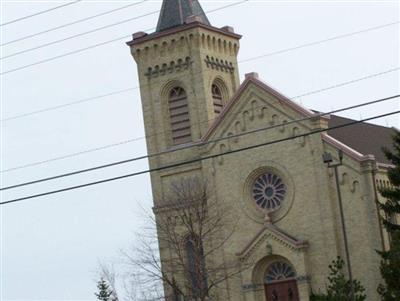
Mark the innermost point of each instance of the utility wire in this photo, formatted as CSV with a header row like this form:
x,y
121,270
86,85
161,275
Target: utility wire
x,y
137,87
100,44
154,12
86,19
71,23
68,104
196,160
223,7
39,13
346,35
196,144
65,54
356,80
79,35
206,121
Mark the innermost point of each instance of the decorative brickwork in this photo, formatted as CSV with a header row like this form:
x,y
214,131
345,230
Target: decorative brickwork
x,y
219,64
305,230
164,69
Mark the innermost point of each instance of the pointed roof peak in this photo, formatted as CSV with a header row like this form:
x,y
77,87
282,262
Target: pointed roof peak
x,y
175,12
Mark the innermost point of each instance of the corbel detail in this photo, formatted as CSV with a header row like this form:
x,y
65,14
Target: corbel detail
x,y
219,64
174,66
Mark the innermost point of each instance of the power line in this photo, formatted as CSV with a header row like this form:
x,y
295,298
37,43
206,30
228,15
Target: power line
x,y
65,54
79,21
346,35
79,35
356,80
211,11
99,44
206,121
134,88
196,144
196,160
71,23
116,92
39,13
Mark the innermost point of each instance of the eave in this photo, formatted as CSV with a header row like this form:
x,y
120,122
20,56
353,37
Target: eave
x,y
177,29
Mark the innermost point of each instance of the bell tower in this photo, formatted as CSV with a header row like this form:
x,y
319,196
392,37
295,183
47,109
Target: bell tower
x,y
187,72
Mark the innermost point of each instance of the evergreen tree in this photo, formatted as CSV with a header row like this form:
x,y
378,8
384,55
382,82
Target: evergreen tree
x,y
390,270
392,193
104,293
390,264
339,287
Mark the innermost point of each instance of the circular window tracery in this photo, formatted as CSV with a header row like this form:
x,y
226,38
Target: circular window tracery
x,y
269,191
279,271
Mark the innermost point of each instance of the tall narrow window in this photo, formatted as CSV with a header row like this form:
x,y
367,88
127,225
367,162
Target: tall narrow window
x,y
176,296
179,116
196,267
217,98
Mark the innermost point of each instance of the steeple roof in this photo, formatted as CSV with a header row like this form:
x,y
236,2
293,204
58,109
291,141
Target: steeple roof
x,y
174,13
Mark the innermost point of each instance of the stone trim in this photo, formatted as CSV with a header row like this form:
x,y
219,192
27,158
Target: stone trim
x,y
174,66
252,287
303,279
173,207
252,78
140,38
276,234
346,149
385,166
219,64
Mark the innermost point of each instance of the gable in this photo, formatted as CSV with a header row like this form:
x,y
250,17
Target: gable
x,y
254,99
274,236
256,106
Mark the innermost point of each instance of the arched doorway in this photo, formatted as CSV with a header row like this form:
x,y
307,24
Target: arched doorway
x,y
280,282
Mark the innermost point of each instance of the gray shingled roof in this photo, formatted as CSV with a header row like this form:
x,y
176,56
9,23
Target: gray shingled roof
x,y
174,13
366,138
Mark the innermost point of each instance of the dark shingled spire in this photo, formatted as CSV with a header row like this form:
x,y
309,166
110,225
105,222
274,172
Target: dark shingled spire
x,y
174,13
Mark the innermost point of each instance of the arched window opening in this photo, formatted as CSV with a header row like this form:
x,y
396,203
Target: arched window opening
x,y
280,282
179,116
196,267
217,99
279,271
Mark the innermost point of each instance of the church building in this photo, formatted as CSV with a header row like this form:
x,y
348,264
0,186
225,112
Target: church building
x,y
284,195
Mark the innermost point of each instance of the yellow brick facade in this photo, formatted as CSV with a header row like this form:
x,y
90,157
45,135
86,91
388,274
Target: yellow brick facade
x,y
306,230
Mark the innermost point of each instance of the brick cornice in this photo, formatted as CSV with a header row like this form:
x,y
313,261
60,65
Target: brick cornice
x,y
178,29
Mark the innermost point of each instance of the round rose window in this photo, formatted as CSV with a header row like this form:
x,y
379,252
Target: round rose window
x,y
269,191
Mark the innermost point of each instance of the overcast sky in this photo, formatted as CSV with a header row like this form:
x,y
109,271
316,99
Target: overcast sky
x,y
50,246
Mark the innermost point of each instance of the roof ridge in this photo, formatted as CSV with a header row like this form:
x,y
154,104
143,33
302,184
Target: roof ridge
x,y
368,123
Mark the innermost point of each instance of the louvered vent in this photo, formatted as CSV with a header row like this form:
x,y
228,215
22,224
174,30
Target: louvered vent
x,y
179,115
217,99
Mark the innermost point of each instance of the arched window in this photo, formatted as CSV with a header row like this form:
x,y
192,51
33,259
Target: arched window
x,y
217,98
196,266
278,271
280,282
179,116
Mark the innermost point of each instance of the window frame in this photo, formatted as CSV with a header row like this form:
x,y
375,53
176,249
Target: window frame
x,y
197,282
179,116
